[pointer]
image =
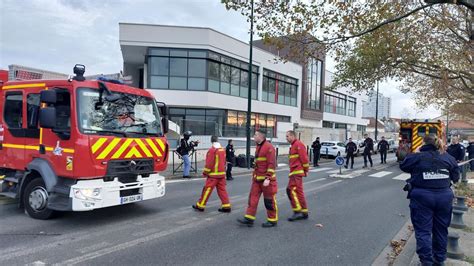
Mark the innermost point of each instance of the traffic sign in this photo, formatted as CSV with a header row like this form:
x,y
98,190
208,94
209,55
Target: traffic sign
x,y
339,160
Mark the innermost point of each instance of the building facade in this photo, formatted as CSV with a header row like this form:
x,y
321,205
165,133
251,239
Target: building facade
x,y
385,106
203,76
342,117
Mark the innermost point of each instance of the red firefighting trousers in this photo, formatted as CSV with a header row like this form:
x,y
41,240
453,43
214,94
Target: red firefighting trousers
x,y
296,194
220,183
269,199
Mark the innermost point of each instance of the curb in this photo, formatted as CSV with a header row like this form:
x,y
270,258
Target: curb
x,y
403,258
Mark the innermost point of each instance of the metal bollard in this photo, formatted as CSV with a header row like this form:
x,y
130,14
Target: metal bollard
x,y
457,221
460,204
454,251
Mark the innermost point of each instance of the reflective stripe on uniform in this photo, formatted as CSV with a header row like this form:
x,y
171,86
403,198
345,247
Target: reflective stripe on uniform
x,y
306,165
250,217
304,210
207,170
297,172
226,205
261,159
271,170
260,177
202,204
217,173
294,156
295,198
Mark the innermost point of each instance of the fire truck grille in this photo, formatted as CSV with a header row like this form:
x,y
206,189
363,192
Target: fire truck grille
x,y
123,168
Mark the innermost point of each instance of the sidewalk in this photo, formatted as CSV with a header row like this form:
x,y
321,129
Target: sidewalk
x,y
466,242
282,162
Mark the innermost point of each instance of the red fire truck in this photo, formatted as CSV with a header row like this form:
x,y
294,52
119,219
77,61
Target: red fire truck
x,y
80,145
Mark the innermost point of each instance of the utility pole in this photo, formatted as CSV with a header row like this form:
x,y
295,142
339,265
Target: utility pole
x,y
249,100
376,111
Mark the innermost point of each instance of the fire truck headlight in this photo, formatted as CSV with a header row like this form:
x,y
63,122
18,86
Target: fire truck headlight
x,y
87,193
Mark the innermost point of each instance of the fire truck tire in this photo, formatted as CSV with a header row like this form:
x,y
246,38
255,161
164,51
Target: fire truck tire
x,y
35,200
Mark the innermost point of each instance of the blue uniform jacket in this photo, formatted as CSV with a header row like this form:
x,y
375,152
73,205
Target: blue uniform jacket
x,y
430,169
457,151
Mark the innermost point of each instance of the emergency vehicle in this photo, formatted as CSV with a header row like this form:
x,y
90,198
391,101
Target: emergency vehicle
x,y
412,132
80,145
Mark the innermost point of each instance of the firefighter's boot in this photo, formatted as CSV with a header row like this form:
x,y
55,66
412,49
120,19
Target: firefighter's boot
x,y
245,221
298,216
269,224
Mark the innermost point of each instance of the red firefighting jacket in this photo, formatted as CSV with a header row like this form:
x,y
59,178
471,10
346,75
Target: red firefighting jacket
x,y
264,162
299,162
215,162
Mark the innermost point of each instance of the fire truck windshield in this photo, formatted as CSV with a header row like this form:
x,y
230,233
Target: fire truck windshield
x,y
129,114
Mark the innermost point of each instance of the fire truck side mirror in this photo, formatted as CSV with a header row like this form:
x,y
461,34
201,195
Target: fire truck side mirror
x,y
47,117
164,111
49,96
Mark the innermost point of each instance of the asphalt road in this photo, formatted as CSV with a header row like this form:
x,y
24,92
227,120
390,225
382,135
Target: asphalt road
x,y
359,217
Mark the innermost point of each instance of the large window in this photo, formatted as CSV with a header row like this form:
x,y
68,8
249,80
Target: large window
x,y
181,69
278,88
314,75
338,103
351,106
227,123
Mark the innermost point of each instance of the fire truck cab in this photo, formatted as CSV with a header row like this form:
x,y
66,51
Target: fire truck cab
x,y
412,132
80,145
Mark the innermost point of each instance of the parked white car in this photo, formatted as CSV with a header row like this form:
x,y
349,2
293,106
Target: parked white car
x,y
333,148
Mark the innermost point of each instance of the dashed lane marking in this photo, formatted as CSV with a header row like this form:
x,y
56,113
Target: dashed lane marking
x,y
402,177
380,174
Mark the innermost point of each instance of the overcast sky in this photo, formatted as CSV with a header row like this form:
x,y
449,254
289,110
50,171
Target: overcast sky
x,y
56,34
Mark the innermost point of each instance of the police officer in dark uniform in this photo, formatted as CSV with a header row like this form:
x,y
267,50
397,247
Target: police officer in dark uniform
x,y
431,198
470,150
383,147
351,148
368,145
230,157
316,151
456,150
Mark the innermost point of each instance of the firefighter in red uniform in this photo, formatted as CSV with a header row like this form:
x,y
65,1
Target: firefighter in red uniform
x,y
299,166
214,170
263,181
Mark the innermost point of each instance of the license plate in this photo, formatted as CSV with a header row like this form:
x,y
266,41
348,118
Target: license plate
x,y
130,199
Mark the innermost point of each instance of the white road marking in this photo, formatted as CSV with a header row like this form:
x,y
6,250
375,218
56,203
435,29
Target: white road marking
x,y
332,172
320,169
380,174
361,171
403,176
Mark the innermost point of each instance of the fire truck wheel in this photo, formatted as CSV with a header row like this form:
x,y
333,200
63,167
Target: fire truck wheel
x,y
35,200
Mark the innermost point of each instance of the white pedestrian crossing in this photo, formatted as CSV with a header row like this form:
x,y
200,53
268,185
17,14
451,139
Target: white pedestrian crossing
x,y
320,169
332,172
380,174
403,176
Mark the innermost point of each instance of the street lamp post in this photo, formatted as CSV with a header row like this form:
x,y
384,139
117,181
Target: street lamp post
x,y
376,110
249,99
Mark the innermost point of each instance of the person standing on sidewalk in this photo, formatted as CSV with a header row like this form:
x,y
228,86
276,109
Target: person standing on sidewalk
x,y
470,150
299,166
431,198
230,155
368,145
456,150
184,148
316,151
383,147
263,181
214,171
351,149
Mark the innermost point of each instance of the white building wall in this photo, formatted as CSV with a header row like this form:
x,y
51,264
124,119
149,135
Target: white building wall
x,y
136,38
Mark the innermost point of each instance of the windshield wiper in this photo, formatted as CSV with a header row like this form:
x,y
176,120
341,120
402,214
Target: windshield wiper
x,y
112,132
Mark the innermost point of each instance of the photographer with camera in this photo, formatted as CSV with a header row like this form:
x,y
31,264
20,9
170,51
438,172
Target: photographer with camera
x,y
431,198
184,148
